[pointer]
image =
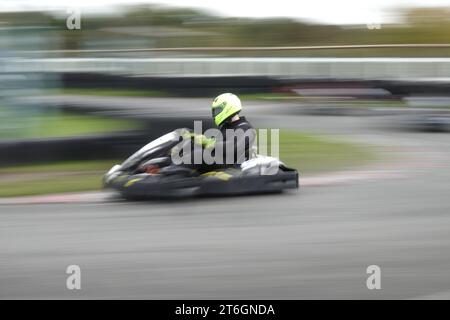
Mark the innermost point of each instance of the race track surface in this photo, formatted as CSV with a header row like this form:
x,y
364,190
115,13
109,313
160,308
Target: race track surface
x,y
315,243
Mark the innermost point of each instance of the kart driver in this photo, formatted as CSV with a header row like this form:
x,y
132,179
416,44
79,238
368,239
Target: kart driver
x,y
238,135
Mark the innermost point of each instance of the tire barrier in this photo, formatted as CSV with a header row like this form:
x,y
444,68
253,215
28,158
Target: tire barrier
x,y
15,152
209,86
181,86
96,147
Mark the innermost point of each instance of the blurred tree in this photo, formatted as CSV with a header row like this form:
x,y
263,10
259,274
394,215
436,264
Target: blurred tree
x,y
159,26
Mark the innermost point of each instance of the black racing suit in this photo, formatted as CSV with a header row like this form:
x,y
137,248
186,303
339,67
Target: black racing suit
x,y
239,138
236,145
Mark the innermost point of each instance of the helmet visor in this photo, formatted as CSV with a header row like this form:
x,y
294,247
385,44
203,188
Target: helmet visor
x,y
216,111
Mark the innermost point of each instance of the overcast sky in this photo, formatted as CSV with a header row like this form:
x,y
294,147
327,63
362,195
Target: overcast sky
x,y
325,11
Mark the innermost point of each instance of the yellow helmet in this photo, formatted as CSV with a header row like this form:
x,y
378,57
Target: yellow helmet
x,y
225,106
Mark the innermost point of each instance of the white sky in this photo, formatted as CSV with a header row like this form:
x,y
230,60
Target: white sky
x,y
328,11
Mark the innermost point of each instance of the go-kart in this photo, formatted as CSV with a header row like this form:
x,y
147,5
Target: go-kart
x,y
150,173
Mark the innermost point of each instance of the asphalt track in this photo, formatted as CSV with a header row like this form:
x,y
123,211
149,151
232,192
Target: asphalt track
x,y
315,243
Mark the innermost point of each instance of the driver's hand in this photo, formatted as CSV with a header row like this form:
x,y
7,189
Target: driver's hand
x,y
204,141
199,139
185,133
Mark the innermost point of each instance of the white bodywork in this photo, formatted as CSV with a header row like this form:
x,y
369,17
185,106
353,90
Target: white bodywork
x,y
262,165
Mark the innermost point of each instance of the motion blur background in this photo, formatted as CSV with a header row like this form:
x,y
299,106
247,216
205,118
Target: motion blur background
x,y
359,89
96,80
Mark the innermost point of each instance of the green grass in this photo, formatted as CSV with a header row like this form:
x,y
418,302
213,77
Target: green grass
x,y
67,124
66,166
53,178
358,103
158,93
68,183
311,153
305,152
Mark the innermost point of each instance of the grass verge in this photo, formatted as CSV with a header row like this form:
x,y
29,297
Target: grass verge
x,y
53,178
311,153
66,124
159,93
